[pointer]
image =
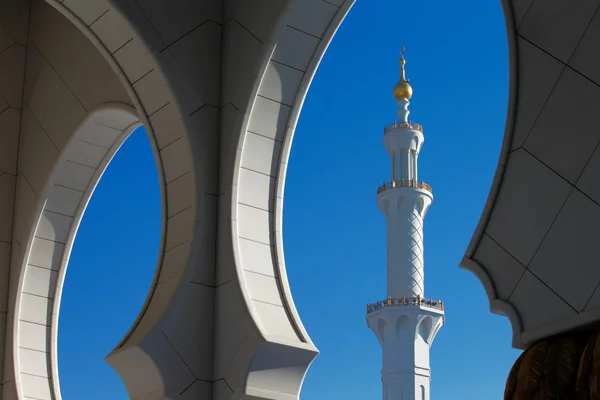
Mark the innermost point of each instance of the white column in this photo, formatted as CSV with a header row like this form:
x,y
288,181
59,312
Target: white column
x,y
415,157
403,109
397,165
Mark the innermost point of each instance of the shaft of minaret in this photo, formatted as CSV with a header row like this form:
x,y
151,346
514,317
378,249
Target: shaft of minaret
x,y
405,323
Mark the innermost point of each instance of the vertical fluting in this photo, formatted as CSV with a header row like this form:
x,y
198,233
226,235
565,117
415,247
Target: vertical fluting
x,y
414,156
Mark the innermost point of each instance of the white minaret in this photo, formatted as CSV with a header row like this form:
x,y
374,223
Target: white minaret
x,y
406,322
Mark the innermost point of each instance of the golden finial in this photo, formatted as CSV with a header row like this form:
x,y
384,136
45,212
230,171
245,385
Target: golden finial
x,y
402,89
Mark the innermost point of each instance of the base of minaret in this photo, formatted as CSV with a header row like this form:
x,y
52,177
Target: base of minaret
x,y
405,328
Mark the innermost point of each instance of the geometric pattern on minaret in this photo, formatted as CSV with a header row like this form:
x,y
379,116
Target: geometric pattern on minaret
x,y
405,323
405,261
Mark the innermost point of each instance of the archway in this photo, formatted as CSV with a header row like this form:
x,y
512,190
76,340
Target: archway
x,y
69,188
110,271
264,67
78,106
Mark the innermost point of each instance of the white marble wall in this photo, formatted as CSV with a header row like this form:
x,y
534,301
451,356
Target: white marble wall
x,y
71,71
217,92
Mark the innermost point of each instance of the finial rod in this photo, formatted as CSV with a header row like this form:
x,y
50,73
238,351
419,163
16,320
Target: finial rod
x,y
402,90
402,63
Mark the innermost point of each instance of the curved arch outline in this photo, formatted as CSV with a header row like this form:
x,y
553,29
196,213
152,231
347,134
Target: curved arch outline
x,y
300,351
276,223
242,128
285,151
434,332
91,36
101,112
399,323
73,234
431,328
498,306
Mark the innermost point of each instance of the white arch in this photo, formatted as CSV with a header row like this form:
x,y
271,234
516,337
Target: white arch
x,y
60,209
30,367
173,112
404,326
253,201
184,181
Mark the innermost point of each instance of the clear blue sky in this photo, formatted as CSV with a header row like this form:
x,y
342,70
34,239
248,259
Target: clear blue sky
x,y
333,232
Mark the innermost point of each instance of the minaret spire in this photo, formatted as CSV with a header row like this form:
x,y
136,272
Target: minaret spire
x,y
402,62
403,83
405,323
403,91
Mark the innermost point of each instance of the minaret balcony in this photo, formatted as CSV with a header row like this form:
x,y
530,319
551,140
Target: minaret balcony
x,y
402,125
404,183
405,301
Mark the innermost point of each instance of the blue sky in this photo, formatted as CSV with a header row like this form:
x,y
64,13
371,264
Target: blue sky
x,y
333,232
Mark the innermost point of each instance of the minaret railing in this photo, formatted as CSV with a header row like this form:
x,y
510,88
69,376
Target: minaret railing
x,y
405,301
402,125
404,183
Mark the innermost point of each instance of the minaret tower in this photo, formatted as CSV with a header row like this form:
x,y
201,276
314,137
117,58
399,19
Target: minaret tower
x,y
406,322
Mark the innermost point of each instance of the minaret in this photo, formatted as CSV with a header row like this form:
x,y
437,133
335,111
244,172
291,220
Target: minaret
x,y
406,322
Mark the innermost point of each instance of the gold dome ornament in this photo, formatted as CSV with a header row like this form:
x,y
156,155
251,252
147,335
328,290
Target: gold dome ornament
x,y
402,90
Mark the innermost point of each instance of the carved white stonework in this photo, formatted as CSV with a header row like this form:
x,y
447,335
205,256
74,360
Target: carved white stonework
x,y
404,209
405,323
